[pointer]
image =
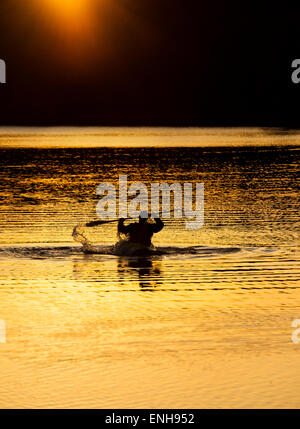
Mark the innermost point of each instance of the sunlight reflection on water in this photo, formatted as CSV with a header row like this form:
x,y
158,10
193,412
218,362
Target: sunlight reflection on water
x,y
209,329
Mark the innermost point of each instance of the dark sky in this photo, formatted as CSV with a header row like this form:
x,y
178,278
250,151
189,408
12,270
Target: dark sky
x,y
152,62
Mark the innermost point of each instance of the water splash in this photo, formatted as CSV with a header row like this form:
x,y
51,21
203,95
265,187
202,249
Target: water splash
x,y
80,235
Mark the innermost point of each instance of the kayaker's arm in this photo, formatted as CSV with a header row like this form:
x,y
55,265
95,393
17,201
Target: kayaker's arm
x,y
121,227
158,226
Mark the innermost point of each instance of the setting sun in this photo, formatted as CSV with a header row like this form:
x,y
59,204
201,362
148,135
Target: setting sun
x,y
69,25
67,9
72,13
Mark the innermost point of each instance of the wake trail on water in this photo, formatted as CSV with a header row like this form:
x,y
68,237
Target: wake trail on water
x,y
63,252
80,235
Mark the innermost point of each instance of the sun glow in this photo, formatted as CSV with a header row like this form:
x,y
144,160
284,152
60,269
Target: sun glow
x,y
72,14
70,24
67,9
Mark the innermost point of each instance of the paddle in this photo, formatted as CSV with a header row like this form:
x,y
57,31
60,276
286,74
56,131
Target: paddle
x,y
99,222
102,222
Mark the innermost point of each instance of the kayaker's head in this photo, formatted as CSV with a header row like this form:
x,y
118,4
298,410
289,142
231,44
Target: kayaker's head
x,y
143,217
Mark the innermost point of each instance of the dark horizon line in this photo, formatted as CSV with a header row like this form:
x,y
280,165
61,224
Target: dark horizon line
x,y
283,125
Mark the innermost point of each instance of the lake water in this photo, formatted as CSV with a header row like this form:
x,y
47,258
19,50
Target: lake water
x,y
207,328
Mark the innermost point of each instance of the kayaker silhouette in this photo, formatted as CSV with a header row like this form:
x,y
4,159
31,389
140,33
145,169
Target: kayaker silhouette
x,y
142,231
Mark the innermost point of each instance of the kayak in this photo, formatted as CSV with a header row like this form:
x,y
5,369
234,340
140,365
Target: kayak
x,y
128,248
122,248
